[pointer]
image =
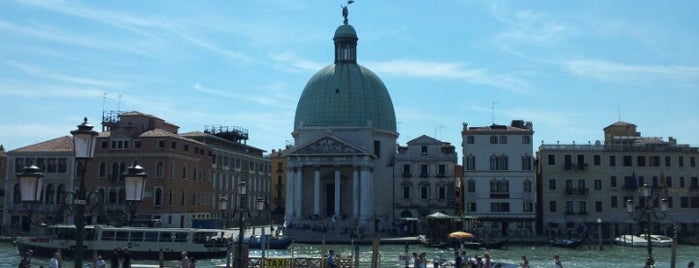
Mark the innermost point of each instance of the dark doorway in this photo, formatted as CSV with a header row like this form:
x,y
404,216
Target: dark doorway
x,y
330,199
505,225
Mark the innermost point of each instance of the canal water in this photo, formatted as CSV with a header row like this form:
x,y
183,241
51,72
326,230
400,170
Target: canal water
x,y
539,256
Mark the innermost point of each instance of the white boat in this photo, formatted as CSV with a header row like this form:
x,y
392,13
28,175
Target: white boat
x,y
143,243
658,240
631,241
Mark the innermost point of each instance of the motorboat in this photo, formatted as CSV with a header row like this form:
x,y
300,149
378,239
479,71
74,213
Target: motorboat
x,y
658,240
268,242
145,243
631,241
566,243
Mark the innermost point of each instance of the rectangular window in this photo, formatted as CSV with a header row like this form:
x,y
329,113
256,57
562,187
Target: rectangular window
x,y
614,202
173,145
668,161
684,202
441,170
598,206
493,140
552,184
654,161
52,165
424,170
442,194
406,192
680,161
528,207
526,162
424,192
423,149
62,165
552,159
471,206
598,184
161,144
552,206
137,144
471,163
692,161
596,160
628,161
682,182
641,161
471,186
406,169
499,207
612,161
377,149
470,140
612,181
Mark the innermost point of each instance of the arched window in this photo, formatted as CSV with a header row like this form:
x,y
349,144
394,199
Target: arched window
x,y
102,170
158,199
113,197
50,194
122,169
159,167
115,171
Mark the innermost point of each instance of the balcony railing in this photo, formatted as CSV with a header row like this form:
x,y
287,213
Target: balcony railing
x,y
407,175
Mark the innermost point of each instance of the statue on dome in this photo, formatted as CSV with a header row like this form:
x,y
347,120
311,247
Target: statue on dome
x,y
345,12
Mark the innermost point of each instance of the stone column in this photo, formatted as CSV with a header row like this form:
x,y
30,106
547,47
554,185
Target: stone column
x,y
316,190
338,197
289,206
355,192
298,189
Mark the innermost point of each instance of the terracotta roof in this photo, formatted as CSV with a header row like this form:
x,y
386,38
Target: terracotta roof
x,y
62,144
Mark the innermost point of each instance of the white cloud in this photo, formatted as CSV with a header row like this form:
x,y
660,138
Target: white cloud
x,y
449,70
609,71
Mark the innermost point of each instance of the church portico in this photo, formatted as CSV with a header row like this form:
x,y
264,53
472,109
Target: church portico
x,y
325,187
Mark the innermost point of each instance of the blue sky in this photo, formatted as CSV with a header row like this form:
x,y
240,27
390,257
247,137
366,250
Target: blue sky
x,y
570,67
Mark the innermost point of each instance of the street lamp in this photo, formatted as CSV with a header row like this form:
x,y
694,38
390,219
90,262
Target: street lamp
x,y
599,232
647,215
84,139
31,181
135,185
223,206
260,204
242,191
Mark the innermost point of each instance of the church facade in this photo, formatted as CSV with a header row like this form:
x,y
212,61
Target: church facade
x,y
340,168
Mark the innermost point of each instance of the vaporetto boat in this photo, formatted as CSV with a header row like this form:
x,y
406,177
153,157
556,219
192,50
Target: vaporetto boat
x,y
141,242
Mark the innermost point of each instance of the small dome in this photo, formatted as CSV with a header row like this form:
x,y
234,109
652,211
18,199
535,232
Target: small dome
x,y
345,31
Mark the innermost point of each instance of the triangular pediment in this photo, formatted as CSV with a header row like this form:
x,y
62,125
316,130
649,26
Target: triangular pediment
x,y
328,145
424,139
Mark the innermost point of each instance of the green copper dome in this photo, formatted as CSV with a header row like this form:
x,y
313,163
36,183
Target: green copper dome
x,y
345,94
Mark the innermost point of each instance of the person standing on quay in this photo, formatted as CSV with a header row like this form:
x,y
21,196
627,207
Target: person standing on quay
x,y
100,263
525,262
53,262
331,259
184,263
114,259
26,262
127,259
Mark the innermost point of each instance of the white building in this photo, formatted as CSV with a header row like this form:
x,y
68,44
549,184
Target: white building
x,y
424,179
340,167
581,183
499,178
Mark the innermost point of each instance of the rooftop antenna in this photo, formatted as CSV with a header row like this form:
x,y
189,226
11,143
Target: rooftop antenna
x,y
618,111
435,131
492,112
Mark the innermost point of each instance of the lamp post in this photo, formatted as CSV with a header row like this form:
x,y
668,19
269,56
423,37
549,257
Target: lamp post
x,y
260,205
84,139
599,232
31,181
647,215
242,191
135,185
223,206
